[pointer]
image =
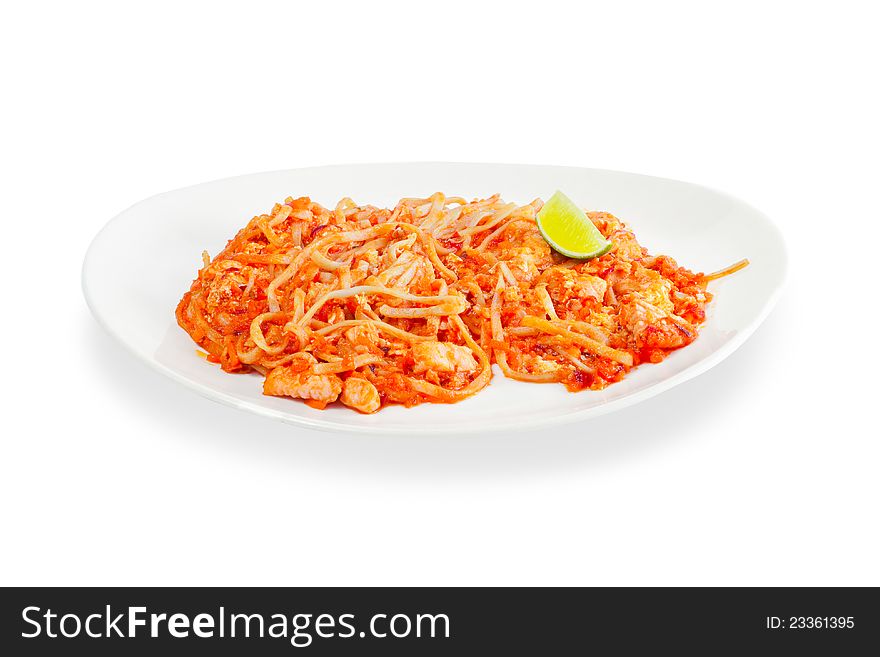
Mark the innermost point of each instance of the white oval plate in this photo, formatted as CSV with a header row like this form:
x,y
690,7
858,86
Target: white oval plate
x,y
141,263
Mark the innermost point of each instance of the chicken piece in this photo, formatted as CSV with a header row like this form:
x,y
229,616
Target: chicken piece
x,y
442,357
564,284
321,389
636,314
360,395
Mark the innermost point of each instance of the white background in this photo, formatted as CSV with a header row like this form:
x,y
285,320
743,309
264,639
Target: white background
x,y
762,471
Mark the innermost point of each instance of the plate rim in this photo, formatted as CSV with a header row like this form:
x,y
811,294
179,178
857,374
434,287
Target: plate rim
x,y
519,426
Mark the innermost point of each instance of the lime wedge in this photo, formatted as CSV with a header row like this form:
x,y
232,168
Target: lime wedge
x,y
569,230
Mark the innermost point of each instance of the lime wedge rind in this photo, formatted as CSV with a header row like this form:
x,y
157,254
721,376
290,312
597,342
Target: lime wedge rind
x,y
579,255
568,230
